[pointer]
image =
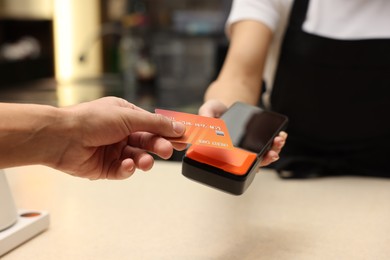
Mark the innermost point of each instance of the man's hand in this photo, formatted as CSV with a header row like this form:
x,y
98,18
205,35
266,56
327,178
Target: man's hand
x,y
110,138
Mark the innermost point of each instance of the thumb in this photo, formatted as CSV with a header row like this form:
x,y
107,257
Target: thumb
x,y
212,108
153,123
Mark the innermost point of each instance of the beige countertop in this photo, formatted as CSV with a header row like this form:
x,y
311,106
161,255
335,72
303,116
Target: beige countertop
x,y
163,215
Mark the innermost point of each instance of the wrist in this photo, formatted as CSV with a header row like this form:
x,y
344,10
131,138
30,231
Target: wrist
x,y
55,135
230,92
43,138
31,134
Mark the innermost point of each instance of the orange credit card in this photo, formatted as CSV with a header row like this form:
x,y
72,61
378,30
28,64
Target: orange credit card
x,y
200,130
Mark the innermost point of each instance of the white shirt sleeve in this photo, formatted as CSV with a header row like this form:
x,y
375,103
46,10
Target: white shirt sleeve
x,y
266,11
351,20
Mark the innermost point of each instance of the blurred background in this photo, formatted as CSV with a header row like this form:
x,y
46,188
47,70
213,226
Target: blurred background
x,y
155,53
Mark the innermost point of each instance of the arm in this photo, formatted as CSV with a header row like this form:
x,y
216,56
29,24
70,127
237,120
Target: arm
x,y
25,133
105,138
241,74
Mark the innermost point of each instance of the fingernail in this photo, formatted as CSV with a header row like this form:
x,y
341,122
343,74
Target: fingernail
x,y
274,158
179,128
283,134
128,172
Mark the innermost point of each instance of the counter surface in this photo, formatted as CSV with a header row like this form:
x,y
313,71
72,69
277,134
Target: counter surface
x,y
162,215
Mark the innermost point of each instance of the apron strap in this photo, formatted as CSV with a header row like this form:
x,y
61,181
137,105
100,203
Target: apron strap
x,y
323,85
298,13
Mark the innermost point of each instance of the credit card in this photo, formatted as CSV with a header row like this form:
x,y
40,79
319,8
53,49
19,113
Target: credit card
x,y
200,130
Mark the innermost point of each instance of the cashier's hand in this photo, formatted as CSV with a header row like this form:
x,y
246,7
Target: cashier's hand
x,y
215,108
110,138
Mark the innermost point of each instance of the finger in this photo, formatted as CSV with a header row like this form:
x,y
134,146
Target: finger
x,y
142,159
284,135
273,154
179,146
152,143
279,142
269,158
206,111
154,123
126,169
155,144
212,108
145,162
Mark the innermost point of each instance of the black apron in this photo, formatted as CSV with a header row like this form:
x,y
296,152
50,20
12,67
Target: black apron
x,y
336,94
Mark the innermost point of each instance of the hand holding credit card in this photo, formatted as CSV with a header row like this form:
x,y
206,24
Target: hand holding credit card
x,y
200,130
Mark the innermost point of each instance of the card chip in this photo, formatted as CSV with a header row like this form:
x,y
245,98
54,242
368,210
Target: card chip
x,y
221,133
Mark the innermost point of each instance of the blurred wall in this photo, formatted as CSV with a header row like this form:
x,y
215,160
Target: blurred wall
x,y
31,9
76,24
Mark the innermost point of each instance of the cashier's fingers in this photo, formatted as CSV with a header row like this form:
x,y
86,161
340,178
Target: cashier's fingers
x,y
269,158
273,154
279,142
212,108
